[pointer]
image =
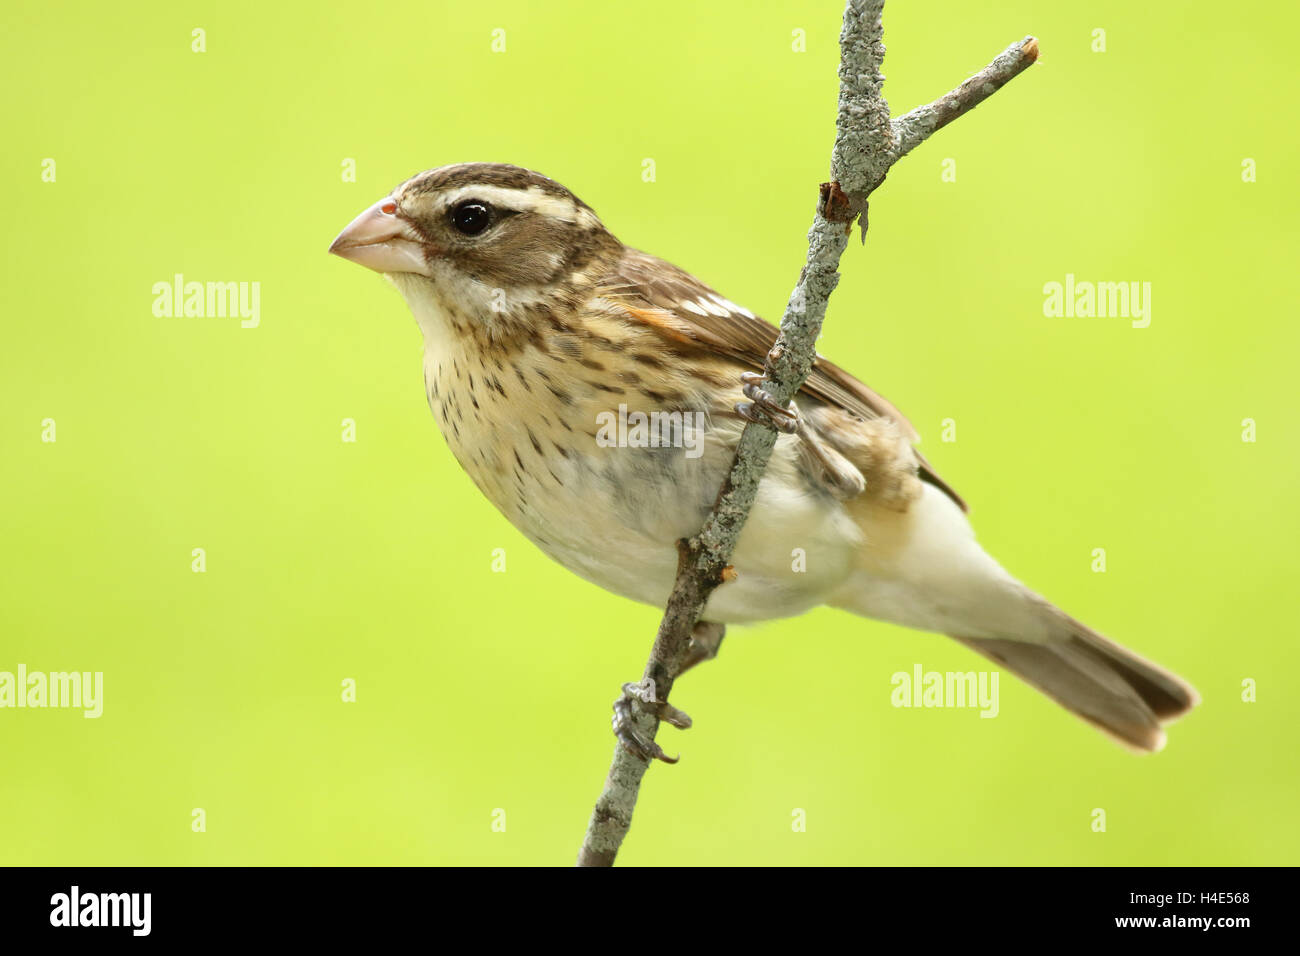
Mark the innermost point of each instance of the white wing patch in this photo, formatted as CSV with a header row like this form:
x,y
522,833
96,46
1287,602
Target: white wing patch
x,y
715,304
731,307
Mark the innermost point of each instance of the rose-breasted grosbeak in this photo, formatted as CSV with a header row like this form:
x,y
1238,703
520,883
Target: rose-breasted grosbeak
x,y
539,325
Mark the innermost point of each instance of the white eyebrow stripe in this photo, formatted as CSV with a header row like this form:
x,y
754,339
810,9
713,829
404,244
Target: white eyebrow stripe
x,y
533,199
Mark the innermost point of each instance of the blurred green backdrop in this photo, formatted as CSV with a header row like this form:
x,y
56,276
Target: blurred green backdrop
x,y
371,560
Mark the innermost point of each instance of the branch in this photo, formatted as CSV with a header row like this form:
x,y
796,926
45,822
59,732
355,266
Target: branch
x,y
867,144
916,127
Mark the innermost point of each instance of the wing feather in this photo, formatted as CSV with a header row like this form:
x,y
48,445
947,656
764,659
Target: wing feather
x,y
684,310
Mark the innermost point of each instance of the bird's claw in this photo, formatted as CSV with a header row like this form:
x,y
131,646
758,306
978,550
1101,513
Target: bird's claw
x,y
763,408
642,696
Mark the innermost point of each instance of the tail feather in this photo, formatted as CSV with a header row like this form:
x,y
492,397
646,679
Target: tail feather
x,y
1107,685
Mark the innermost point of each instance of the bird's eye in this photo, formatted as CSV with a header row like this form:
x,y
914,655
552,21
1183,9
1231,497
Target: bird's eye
x,y
470,218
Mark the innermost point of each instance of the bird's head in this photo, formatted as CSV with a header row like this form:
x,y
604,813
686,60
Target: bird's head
x,y
483,240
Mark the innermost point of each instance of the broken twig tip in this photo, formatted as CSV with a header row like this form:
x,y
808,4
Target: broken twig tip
x,y
729,573
1030,48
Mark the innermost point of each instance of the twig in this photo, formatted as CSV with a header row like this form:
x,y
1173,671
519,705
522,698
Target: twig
x,y
914,128
867,144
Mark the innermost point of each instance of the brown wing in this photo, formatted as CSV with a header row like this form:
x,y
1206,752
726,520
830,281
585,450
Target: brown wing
x,y
682,308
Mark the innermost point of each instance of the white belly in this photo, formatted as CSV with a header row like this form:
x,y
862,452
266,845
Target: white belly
x,y
620,512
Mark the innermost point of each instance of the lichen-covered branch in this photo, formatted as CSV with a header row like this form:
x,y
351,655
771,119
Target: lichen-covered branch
x,y
867,144
914,128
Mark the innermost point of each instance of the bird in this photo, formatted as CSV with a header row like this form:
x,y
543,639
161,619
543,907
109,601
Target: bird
x,y
595,394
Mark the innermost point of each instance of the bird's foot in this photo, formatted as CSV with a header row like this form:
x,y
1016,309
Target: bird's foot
x,y
763,409
642,697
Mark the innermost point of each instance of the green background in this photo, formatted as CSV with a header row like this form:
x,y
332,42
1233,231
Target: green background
x,y
372,561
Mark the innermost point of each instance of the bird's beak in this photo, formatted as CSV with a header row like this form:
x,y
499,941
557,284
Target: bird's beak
x,y
382,240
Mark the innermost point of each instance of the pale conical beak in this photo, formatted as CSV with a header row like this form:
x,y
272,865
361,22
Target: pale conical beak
x,y
382,240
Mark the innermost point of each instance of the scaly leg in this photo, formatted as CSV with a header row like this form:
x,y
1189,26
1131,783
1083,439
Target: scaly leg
x,y
642,694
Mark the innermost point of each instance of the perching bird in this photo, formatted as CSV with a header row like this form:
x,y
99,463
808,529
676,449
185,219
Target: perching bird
x,y
549,345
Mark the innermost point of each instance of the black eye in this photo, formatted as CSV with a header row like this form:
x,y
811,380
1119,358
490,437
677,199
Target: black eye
x,y
471,217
